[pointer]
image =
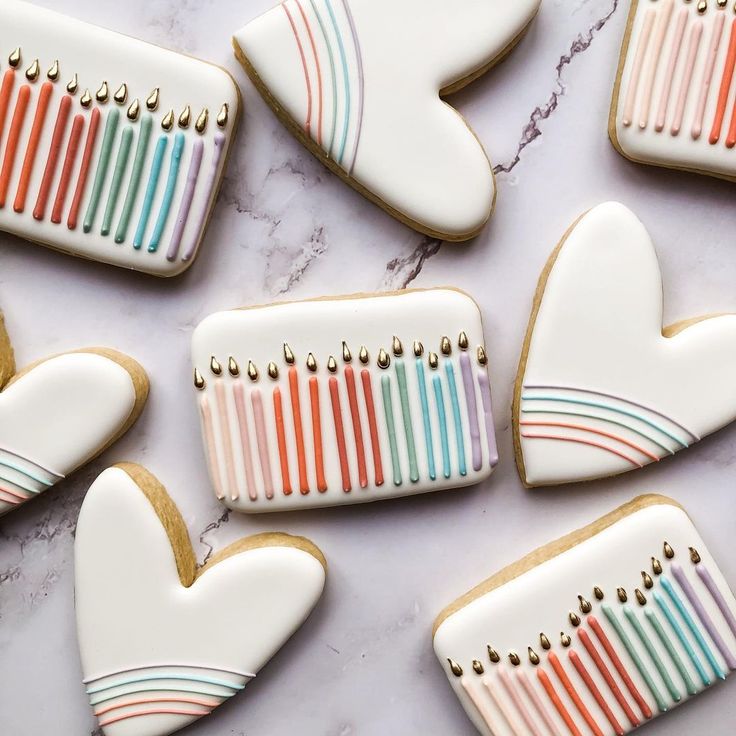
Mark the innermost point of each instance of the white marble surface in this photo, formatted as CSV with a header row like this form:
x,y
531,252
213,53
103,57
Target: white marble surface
x,y
286,228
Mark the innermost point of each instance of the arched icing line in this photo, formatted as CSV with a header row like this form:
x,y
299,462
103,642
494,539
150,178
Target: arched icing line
x,y
346,78
222,670
361,84
332,74
164,712
319,71
151,701
589,443
308,122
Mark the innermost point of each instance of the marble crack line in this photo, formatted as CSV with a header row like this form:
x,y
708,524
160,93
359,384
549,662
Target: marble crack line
x,y
402,270
308,254
210,528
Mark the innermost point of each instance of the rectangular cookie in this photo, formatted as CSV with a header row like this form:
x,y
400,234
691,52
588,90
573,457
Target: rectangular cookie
x,y
344,400
673,99
597,632
110,148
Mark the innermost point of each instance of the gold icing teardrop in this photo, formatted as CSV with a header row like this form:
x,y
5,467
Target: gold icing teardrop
x,y
202,119
15,58
311,363
434,361
585,605
363,355
445,346
223,115
73,85
332,364
418,349
598,593
199,382
233,367
669,553
168,122
103,93
622,595
455,668
273,371
215,367
396,347
134,110
383,360
545,642
121,94
574,619
694,556
347,356
640,597
478,667
53,72
702,6
462,341
565,639
514,659
482,357
493,654
185,118
252,371
656,566
152,100
86,99
33,71
533,656
288,354
646,578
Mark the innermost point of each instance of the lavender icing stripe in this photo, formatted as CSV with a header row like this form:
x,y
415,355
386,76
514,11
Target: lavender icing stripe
x,y
186,201
715,592
485,393
472,406
705,619
361,84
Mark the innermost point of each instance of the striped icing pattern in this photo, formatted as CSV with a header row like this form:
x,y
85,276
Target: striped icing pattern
x,y
22,478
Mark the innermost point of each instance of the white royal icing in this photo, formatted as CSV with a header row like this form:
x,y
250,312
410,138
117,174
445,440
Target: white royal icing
x,y
362,78
599,364
95,55
511,617
57,416
250,480
137,624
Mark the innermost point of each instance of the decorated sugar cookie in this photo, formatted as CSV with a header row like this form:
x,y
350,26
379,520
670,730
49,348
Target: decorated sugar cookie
x,y
110,148
58,413
602,387
598,632
673,100
163,642
355,81
345,400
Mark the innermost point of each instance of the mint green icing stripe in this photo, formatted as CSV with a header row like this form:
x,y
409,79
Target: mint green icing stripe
x,y
163,214
651,616
346,78
440,401
622,635
653,654
450,371
164,676
153,177
22,484
135,178
332,73
154,689
117,179
28,474
388,408
406,415
426,418
103,164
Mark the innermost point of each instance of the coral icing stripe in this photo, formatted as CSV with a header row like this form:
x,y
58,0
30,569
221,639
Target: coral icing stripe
x,y
66,170
278,410
319,72
725,90
583,428
558,704
573,693
319,461
161,712
89,149
340,435
596,693
296,411
5,92
365,377
357,428
14,497
308,123
590,443
149,701
11,146
52,161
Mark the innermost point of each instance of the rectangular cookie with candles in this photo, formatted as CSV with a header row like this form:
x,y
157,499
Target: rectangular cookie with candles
x,y
111,149
344,400
673,99
598,632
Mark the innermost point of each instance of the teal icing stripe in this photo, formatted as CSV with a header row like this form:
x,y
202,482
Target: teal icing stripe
x,y
651,616
623,636
425,416
103,164
694,630
163,213
164,676
597,405
450,370
346,78
653,654
22,485
675,624
332,72
153,177
135,178
406,415
28,474
388,407
440,401
117,179
154,689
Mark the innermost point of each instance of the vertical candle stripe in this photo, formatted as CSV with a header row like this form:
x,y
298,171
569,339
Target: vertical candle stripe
x,y
480,705
537,702
240,411
406,415
664,99
296,412
554,660
725,90
710,66
370,406
278,410
653,655
153,177
643,671
209,189
209,440
426,418
674,656
675,624
485,394
388,408
472,409
317,434
595,692
715,592
523,711
357,428
52,159
186,200
89,148
694,630
70,158
262,440
549,688
444,440
26,172
134,183
163,213
6,90
459,438
121,163
695,36
227,441
11,145
635,77
663,21
103,164
508,716
340,434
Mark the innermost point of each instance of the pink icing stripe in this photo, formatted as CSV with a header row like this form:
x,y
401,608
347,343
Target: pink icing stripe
x,y
485,394
590,443
250,480
480,706
514,725
16,494
508,683
209,437
671,66
150,701
160,712
227,439
641,51
319,71
14,500
262,438
308,123
665,14
537,702
710,67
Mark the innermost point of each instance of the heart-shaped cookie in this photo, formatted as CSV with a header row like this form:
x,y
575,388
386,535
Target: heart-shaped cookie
x,y
59,413
163,643
602,388
359,82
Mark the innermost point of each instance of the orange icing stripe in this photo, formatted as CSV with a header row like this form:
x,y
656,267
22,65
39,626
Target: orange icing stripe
x,y
11,147
590,443
308,123
596,693
365,377
62,117
67,169
14,497
278,410
296,410
554,660
357,427
317,434
725,90
558,704
319,73
149,701
5,92
89,149
340,434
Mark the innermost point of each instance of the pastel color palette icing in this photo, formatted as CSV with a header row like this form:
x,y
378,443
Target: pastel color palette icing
x,y
602,387
162,642
344,400
598,632
355,83
673,101
110,148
